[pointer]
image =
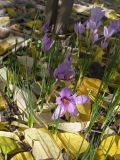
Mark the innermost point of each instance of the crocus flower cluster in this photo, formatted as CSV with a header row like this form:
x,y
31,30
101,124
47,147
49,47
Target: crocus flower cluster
x,y
109,31
46,43
92,24
112,28
64,70
66,102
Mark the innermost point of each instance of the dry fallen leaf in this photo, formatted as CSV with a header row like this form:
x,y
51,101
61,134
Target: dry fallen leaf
x,y
98,55
111,145
89,84
3,103
84,111
73,143
8,43
23,156
72,127
43,144
11,12
8,146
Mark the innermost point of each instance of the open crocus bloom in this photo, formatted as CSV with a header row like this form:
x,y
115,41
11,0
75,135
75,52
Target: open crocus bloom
x,y
67,101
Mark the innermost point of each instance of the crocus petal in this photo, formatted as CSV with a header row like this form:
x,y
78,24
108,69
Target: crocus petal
x,y
45,27
66,92
58,101
72,108
105,31
81,99
104,44
59,112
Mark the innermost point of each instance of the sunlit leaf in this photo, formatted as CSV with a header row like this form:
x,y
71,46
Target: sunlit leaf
x,y
43,144
74,143
89,85
4,19
3,103
8,146
72,127
8,43
99,155
22,156
37,24
9,135
111,145
112,15
98,55
11,12
84,111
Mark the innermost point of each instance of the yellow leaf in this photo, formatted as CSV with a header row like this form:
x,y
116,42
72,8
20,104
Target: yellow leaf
x,y
11,12
84,111
23,156
43,144
3,47
9,135
73,143
111,145
8,146
9,43
112,15
37,24
89,84
98,55
4,19
99,155
3,103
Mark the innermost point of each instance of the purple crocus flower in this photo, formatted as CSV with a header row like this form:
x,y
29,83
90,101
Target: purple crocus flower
x,y
79,28
97,14
115,24
108,32
104,44
64,70
46,43
94,35
45,27
67,101
92,25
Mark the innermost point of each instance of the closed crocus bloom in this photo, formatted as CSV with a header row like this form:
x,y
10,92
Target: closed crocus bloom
x,y
104,44
115,24
66,102
64,70
45,27
108,32
79,28
94,35
97,14
46,43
